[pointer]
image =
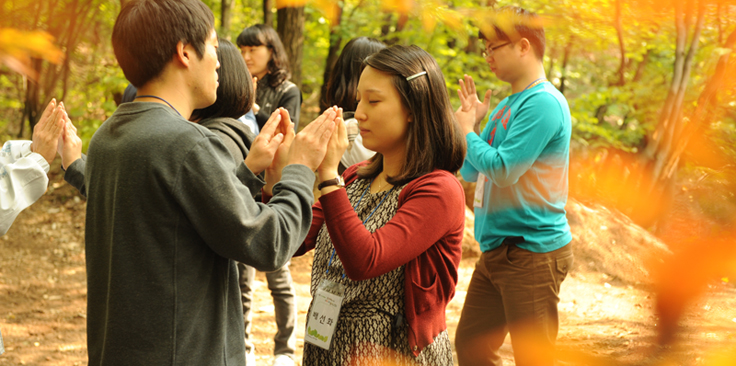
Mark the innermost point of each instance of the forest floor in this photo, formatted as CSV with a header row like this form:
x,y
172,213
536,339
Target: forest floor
x,y
606,307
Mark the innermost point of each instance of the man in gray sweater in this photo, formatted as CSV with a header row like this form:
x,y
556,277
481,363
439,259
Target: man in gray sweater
x,y
169,210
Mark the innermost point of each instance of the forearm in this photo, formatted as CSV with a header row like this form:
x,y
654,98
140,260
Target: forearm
x,y
428,214
253,182
25,181
318,219
264,236
74,175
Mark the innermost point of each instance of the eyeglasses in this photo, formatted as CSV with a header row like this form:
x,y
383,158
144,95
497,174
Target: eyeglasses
x,y
488,52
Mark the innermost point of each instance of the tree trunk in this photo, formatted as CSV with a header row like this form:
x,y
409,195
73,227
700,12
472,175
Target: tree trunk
x,y
565,59
226,18
706,106
30,108
641,66
659,161
694,43
386,25
332,54
386,28
673,122
290,28
655,141
621,46
267,12
552,56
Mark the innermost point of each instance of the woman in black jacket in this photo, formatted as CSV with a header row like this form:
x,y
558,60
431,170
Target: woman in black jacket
x,y
266,59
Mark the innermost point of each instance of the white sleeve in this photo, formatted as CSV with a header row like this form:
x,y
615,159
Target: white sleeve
x,y
23,180
356,153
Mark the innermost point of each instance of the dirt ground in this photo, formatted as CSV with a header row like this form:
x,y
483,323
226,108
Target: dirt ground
x,y
606,303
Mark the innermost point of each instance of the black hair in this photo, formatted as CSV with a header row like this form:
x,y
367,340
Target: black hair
x,y
434,139
235,92
262,34
526,24
146,33
343,83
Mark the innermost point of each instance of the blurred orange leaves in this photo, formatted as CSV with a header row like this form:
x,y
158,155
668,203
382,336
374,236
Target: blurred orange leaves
x,y
17,47
684,277
431,12
399,6
290,3
329,8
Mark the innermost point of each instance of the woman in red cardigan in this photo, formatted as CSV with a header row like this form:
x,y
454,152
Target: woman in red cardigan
x,y
387,241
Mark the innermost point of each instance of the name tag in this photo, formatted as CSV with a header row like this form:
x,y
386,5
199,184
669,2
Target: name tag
x,y
479,191
322,318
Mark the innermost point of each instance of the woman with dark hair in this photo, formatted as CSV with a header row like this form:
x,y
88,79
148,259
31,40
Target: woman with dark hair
x,y
342,88
266,59
343,83
234,99
387,239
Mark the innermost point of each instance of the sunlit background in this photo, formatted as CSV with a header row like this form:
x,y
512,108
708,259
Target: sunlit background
x,y
651,86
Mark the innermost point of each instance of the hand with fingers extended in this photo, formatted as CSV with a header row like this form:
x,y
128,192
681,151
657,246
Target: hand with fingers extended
x,y
472,110
264,146
48,130
335,149
70,145
310,145
273,172
287,129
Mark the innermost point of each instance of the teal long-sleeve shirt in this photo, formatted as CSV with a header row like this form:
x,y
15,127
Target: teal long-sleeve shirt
x,y
523,156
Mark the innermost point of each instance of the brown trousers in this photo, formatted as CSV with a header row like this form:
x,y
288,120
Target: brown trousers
x,y
512,291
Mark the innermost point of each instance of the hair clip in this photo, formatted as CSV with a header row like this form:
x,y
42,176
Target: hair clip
x,y
408,78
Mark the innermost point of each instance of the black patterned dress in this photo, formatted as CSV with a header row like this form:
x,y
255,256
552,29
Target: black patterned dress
x,y
367,332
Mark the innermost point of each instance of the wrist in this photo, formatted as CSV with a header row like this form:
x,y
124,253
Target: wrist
x,y
329,185
271,176
325,174
328,190
272,172
65,163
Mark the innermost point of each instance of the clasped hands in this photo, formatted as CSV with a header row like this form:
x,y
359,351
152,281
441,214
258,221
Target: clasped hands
x,y
54,133
319,145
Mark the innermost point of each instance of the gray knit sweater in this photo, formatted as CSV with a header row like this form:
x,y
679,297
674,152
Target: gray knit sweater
x,y
168,210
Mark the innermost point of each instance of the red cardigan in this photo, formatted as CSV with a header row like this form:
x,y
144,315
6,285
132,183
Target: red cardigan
x,y
425,234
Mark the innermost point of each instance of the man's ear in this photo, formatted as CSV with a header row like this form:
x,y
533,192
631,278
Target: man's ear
x,y
183,54
525,46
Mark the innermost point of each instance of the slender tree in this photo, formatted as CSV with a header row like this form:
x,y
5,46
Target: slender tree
x,y
290,27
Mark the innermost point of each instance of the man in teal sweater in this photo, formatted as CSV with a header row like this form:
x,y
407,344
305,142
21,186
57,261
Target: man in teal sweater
x,y
520,164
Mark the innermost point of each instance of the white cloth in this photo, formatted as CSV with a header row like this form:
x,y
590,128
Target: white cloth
x,y
250,120
23,180
356,152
